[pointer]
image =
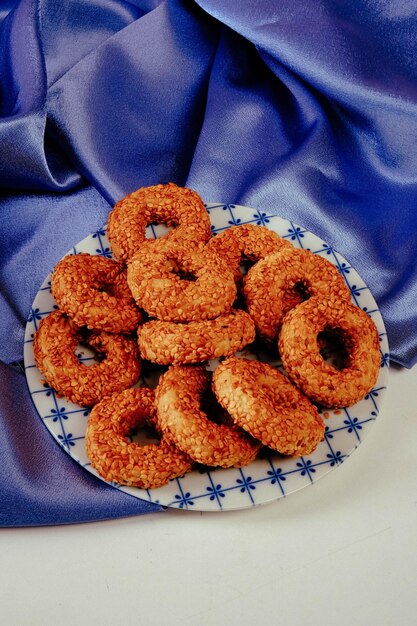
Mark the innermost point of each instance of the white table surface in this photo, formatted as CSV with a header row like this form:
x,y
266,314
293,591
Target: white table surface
x,y
343,551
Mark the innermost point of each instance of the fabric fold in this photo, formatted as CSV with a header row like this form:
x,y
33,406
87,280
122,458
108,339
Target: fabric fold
x,y
171,47
350,176
24,164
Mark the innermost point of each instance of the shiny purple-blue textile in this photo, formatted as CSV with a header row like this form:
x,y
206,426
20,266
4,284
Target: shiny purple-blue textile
x,y
307,110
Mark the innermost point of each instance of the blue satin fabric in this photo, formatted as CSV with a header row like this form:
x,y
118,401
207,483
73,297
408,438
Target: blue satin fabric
x,y
307,110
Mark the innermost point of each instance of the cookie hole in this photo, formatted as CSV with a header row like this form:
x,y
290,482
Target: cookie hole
x,y
184,275
240,302
334,346
107,288
144,436
245,265
180,271
300,289
86,354
213,410
159,229
151,373
167,223
268,453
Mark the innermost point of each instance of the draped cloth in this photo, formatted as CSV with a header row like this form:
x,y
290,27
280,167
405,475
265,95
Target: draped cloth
x,y
304,110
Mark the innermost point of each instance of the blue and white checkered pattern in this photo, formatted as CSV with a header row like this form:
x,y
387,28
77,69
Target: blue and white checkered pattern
x,y
270,477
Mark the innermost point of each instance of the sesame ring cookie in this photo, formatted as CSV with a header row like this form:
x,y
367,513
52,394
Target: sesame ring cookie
x,y
269,283
55,344
118,459
93,291
261,400
168,204
178,400
168,343
180,284
317,378
246,242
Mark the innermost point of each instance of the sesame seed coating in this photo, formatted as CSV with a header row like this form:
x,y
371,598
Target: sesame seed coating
x,y
266,404
300,351
155,276
246,242
268,284
55,344
178,400
167,204
170,343
118,459
93,291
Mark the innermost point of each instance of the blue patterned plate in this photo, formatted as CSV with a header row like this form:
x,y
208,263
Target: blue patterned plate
x,y
268,478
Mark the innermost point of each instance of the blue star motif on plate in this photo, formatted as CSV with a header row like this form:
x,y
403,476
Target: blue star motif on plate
x,y
353,424
295,233
327,249
48,389
336,457
106,252
34,315
344,268
327,433
60,414
215,491
306,467
355,291
67,440
246,483
99,233
184,500
372,394
385,360
276,475
261,219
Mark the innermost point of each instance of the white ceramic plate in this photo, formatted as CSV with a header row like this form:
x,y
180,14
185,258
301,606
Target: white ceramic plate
x,y
266,479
